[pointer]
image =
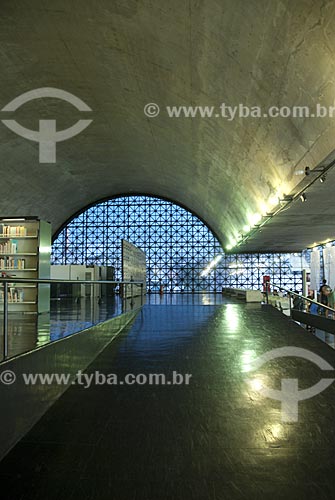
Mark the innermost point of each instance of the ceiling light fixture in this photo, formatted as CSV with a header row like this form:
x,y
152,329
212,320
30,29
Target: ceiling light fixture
x,y
303,197
255,218
286,198
317,170
21,219
273,200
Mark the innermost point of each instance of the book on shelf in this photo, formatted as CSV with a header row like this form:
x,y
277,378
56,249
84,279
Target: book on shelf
x,y
12,231
22,241
15,295
10,246
12,263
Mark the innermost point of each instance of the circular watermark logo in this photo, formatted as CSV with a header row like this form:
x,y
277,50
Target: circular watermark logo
x,y
151,110
47,136
7,377
290,395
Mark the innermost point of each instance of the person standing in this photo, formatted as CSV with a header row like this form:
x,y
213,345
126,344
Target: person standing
x,y
298,302
324,293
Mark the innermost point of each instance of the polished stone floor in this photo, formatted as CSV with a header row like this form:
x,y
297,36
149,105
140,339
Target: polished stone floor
x,y
216,438
196,299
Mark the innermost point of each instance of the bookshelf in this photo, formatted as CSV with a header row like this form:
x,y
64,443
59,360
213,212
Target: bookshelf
x,y
25,246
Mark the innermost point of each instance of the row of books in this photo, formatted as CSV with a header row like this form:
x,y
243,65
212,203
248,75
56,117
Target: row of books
x,y
12,263
14,295
9,246
12,230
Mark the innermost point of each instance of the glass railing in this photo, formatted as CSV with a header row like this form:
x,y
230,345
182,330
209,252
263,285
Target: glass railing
x,y
317,317
36,312
290,300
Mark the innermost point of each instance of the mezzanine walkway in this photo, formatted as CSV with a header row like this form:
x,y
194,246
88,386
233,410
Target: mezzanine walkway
x,y
213,439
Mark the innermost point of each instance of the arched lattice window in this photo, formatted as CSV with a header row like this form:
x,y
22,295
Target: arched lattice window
x,y
178,246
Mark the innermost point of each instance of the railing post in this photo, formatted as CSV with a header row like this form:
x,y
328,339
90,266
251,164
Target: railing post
x,y
290,304
131,293
5,320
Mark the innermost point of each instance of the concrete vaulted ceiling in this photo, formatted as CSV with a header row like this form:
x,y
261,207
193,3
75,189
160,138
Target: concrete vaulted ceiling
x,y
118,55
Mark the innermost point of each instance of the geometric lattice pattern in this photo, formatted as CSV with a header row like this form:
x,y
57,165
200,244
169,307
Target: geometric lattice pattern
x,y
177,244
247,270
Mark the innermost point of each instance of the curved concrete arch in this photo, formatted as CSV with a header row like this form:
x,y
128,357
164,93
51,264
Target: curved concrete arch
x,y
118,56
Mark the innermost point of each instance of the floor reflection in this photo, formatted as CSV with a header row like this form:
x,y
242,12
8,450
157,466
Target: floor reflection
x,y
216,438
197,299
67,316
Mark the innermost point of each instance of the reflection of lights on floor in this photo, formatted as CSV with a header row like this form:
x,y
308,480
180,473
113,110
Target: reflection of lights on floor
x,y
277,430
254,391
246,359
206,300
256,384
231,317
276,433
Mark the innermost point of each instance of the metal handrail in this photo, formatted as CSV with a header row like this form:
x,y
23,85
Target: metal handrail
x,y
307,299
6,280
13,279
